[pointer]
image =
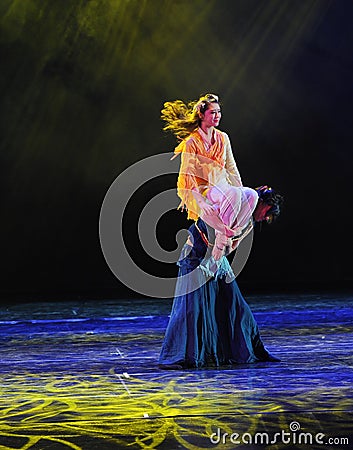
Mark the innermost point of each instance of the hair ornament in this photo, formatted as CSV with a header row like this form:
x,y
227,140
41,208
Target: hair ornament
x,y
202,103
199,105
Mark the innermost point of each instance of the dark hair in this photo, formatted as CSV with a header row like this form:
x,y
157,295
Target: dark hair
x,y
182,119
204,102
270,197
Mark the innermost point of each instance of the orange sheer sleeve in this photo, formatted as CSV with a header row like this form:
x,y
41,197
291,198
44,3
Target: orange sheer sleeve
x,y
190,177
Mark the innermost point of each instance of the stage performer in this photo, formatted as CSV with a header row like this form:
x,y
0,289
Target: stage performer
x,y
211,324
209,183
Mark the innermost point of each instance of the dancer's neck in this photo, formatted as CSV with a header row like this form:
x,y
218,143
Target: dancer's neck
x,y
207,130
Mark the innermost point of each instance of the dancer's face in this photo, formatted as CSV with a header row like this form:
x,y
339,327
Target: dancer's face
x,y
261,212
212,116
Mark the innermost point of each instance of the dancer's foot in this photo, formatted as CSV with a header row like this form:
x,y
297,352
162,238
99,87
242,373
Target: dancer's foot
x,y
261,353
170,366
272,358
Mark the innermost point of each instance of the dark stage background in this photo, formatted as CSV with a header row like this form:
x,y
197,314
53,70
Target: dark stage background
x,y
82,85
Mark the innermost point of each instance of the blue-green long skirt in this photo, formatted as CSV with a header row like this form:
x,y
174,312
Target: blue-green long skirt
x,y
210,323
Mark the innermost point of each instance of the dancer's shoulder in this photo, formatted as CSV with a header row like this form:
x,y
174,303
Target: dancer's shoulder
x,y
222,134
194,140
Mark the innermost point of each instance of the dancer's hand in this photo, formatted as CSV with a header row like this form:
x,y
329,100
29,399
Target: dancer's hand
x,y
207,209
220,245
217,253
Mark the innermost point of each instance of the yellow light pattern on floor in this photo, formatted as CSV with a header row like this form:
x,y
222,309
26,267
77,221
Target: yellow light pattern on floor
x,y
124,411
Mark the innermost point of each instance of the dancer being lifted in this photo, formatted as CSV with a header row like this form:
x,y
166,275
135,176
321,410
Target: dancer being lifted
x,y
209,183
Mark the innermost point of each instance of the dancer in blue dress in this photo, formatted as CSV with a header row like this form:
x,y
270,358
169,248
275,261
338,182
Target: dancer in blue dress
x,y
211,324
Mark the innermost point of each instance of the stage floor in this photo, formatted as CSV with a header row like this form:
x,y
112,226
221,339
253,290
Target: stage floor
x,y
84,375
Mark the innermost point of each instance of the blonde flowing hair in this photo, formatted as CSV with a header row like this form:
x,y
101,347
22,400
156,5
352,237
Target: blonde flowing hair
x,y
182,119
